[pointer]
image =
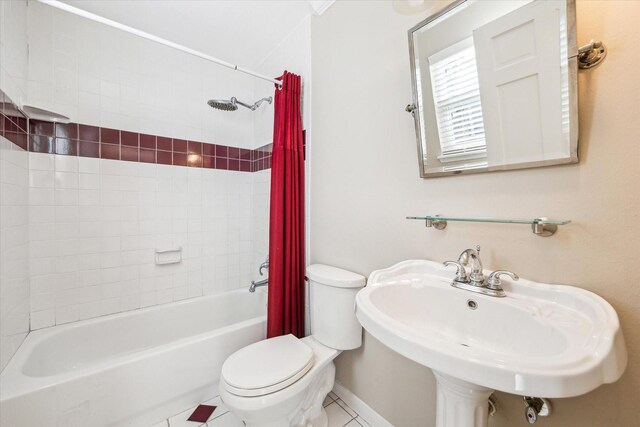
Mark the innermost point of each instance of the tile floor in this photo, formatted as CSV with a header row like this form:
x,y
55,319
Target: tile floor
x,y
340,415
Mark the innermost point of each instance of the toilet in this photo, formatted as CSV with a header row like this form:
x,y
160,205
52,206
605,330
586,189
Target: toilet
x,y
283,381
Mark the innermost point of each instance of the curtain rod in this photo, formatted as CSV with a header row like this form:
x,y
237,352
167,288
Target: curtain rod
x,y
76,11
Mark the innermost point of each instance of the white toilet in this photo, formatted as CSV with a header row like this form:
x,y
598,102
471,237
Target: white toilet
x,y
282,381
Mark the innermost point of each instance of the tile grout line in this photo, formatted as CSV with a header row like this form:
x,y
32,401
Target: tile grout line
x,y
344,406
332,400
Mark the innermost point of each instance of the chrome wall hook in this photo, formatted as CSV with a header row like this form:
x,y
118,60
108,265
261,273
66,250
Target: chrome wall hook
x,y
591,54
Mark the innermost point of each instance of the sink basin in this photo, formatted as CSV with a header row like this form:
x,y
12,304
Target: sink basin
x,y
541,340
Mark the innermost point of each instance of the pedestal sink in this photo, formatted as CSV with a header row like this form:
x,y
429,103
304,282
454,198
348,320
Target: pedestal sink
x,y
540,340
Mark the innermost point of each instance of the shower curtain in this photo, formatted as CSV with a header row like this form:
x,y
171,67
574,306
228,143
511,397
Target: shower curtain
x,y
285,313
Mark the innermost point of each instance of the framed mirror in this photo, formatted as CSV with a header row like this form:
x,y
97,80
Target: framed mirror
x,y
495,86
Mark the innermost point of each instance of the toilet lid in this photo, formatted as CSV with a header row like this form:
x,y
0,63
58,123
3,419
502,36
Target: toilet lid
x,y
267,366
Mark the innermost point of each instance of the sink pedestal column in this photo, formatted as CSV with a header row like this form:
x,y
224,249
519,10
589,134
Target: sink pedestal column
x,y
461,404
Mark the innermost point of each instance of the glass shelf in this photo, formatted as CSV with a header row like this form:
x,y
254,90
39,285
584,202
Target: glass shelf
x,y
540,226
494,220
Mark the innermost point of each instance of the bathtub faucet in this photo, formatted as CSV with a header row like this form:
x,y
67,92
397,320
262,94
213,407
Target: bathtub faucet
x,y
264,265
254,284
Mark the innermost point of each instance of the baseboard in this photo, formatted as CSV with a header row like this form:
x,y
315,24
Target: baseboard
x,y
364,410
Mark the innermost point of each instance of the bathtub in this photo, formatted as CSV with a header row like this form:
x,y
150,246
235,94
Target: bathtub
x,y
129,369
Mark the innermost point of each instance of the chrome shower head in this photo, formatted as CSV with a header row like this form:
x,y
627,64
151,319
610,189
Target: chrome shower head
x,y
223,104
232,104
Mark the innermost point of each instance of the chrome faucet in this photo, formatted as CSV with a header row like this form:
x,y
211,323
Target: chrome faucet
x,y
254,284
263,282
474,280
471,257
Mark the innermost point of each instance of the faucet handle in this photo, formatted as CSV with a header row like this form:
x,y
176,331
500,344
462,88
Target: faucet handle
x,y
461,273
494,282
264,265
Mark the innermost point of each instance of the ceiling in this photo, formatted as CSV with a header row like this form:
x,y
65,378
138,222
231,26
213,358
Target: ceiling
x,y
242,32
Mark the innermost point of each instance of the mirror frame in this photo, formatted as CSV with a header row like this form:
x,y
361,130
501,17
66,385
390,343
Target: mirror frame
x,y
573,98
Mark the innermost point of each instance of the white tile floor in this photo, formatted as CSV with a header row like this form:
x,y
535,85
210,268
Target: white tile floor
x,y
221,417
340,415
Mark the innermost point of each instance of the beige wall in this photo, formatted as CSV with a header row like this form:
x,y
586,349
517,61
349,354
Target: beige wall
x,y
365,181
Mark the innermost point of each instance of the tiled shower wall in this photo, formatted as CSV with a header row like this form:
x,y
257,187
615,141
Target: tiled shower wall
x,y
14,283
261,191
96,223
14,245
104,77
13,49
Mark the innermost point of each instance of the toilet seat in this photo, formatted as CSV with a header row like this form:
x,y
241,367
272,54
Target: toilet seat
x,y
267,366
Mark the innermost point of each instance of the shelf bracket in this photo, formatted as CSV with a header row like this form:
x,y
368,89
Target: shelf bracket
x,y
543,230
438,224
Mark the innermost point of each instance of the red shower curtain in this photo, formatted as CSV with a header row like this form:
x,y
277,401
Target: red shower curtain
x,y
285,314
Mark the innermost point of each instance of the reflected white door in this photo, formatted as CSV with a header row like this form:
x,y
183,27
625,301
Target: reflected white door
x,y
519,71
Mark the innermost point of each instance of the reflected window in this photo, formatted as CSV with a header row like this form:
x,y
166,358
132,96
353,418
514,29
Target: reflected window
x,y
456,96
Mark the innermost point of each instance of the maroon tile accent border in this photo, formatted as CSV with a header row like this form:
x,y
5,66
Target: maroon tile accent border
x,y
129,154
110,136
262,157
75,139
41,144
164,143
88,149
42,128
110,151
147,156
88,133
148,141
69,131
18,138
129,138
13,123
179,146
68,147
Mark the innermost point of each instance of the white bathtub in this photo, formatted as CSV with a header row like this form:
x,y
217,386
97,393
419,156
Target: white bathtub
x,y
129,369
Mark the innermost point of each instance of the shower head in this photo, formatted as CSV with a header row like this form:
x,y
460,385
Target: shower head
x,y
223,104
232,104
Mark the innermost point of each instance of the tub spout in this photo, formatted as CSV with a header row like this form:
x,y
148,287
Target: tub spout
x,y
254,284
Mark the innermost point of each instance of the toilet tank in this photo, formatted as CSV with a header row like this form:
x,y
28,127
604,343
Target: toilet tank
x,y
332,299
